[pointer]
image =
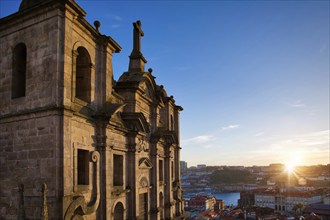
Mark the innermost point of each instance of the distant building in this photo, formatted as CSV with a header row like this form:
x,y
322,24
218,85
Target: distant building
x,y
321,210
202,202
199,166
284,201
276,167
271,182
246,198
219,205
183,166
326,199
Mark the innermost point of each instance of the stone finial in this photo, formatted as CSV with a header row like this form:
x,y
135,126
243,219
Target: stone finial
x,y
97,25
150,70
137,60
26,4
137,34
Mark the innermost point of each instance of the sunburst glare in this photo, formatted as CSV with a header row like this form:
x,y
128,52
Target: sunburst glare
x,y
289,167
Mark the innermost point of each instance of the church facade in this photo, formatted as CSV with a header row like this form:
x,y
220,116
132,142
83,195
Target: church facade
x,y
74,142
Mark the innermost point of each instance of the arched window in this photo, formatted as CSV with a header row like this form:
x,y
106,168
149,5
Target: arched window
x,y
119,212
19,71
83,75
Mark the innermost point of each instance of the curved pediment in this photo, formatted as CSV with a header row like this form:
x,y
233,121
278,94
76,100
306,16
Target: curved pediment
x,y
147,89
142,81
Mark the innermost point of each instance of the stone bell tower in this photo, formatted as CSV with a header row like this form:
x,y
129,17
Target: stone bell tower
x,y
56,77
75,143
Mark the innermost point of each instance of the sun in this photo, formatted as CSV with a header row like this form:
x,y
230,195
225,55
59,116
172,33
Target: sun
x,y
289,167
292,162
292,166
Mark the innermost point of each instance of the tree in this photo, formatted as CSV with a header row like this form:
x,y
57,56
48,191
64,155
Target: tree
x,y
298,208
231,176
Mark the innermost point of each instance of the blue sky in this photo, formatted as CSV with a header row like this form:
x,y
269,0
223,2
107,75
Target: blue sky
x,y
252,76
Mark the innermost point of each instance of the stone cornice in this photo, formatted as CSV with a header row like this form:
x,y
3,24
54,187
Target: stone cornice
x,y
57,110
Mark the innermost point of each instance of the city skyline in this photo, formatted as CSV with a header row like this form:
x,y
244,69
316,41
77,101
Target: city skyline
x,y
252,77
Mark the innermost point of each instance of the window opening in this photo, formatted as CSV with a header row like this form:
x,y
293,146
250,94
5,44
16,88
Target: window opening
x,y
83,167
143,206
19,71
118,170
172,169
83,75
161,170
119,212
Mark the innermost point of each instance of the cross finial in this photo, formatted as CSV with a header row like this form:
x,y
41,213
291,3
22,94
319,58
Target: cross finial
x,y
137,60
138,33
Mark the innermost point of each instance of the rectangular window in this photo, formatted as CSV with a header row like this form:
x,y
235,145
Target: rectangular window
x,y
143,206
83,167
19,71
161,170
118,170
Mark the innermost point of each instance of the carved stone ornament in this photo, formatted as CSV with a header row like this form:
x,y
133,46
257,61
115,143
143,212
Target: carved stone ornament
x,y
144,182
143,145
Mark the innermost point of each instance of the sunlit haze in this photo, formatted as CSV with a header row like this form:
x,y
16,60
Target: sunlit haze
x,y
252,76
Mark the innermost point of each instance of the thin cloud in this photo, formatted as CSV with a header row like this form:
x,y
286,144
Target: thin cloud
x,y
199,139
259,134
117,18
297,104
114,17
311,139
230,127
115,26
309,142
208,146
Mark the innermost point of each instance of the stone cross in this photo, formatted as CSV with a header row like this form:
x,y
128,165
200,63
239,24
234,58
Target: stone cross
x,y
137,33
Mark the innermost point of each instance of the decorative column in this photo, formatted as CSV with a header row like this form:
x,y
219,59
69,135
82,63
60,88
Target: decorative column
x,y
100,133
131,177
168,182
154,182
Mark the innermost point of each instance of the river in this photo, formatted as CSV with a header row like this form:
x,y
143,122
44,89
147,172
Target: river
x,y
230,198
